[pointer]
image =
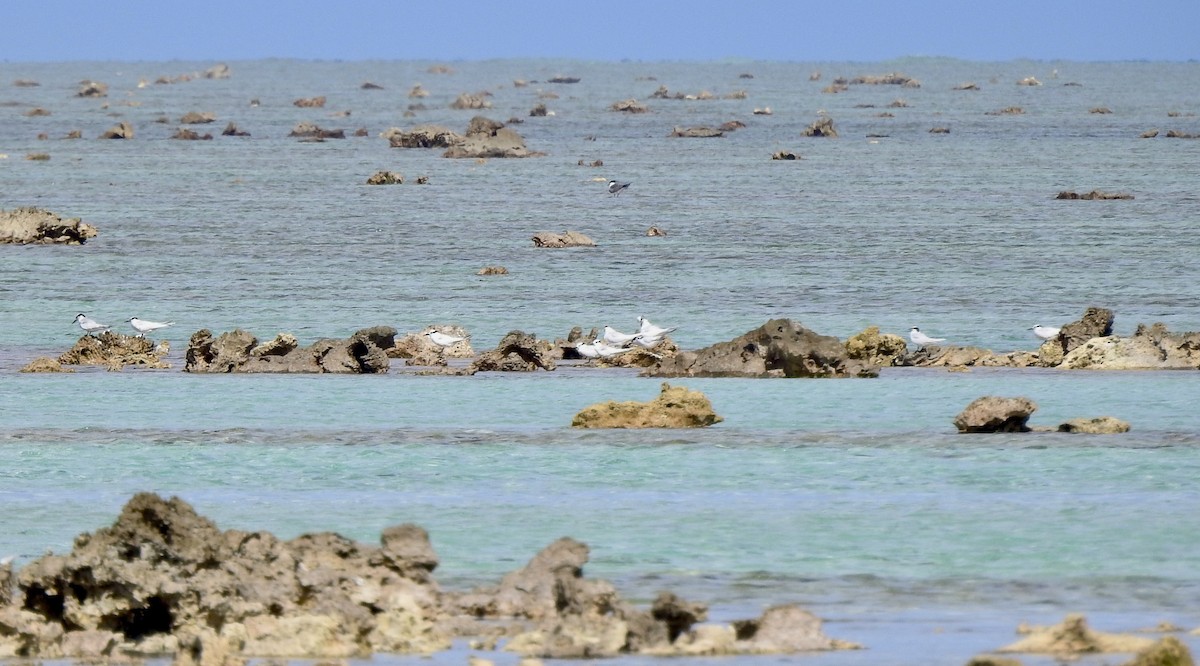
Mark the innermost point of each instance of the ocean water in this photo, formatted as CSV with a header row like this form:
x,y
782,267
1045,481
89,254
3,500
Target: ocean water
x,y
854,498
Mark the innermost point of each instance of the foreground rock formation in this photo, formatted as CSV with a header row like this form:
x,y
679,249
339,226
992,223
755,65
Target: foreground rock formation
x,y
35,226
164,581
996,414
675,407
778,348
239,351
1072,638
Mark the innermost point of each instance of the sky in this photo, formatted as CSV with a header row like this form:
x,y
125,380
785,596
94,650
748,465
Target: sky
x,y
647,30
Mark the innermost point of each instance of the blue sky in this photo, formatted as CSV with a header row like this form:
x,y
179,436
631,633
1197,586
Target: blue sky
x,y
800,30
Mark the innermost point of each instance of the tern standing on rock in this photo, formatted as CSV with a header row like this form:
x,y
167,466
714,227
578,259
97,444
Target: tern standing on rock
x,y
1046,332
90,325
614,188
143,327
442,340
921,339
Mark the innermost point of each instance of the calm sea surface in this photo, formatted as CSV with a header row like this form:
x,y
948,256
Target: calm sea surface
x,y
854,498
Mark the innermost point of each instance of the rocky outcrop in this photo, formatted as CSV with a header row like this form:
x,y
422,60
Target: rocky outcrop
x,y
385,178
35,226
307,130
1101,425
574,617
629,106
675,407
1093,195
232,129
822,126
469,101
239,351
995,414
875,348
696,132
418,349
778,348
92,89
1073,638
198,117
164,580
487,139
44,364
1150,348
565,239
115,351
517,352
422,136
310,102
122,130
1166,651
187,134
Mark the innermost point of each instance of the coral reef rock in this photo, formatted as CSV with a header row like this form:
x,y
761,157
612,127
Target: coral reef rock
x,y
1073,637
35,226
239,351
675,407
778,348
995,414
517,352
116,351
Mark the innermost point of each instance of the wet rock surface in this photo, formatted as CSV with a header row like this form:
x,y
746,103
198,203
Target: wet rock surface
x,y
778,348
36,226
996,414
675,407
116,351
239,351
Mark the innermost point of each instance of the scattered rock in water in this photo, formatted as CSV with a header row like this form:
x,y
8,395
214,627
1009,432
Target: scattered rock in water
x,y
232,130
420,350
1073,638
875,348
307,130
1101,425
36,226
656,232
367,85
422,136
785,155
629,106
778,348
696,132
469,101
198,117
821,127
1148,134
488,138
1006,111
92,89
939,130
566,239
1178,134
122,130
187,134
1166,651
116,351
675,407
492,270
385,178
995,414
517,352
42,364
310,102
1150,348
539,111
239,351
1094,195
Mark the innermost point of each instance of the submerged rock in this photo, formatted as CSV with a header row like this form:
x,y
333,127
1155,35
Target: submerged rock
x,y
122,130
44,364
565,239
778,348
995,414
821,127
1101,425
675,407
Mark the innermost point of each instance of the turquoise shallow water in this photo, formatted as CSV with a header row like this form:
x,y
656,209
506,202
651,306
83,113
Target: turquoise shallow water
x,y
855,498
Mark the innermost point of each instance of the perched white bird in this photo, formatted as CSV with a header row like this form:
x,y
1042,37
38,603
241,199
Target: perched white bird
x,y
442,340
648,330
648,342
587,350
614,188
921,339
143,327
614,337
90,325
605,350
1046,332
